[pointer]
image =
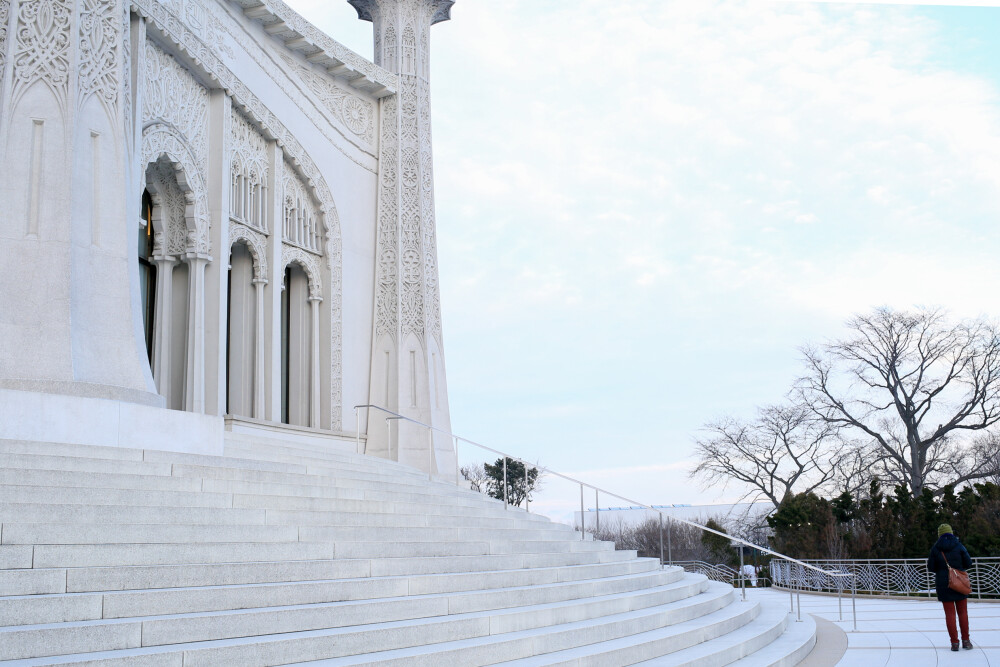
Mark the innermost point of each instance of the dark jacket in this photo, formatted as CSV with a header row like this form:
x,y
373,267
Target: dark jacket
x,y
947,547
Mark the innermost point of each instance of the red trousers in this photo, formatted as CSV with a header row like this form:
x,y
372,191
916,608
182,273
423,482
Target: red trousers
x,y
963,619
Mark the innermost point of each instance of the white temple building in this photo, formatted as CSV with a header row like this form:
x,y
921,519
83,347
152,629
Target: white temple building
x,y
216,216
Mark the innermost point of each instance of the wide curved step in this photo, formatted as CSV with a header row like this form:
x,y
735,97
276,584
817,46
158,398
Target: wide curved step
x,y
278,554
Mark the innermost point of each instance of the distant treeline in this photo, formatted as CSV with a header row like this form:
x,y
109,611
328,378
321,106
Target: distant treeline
x,y
887,525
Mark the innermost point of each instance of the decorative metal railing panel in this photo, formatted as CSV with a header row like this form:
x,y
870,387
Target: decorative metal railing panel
x,y
723,573
908,576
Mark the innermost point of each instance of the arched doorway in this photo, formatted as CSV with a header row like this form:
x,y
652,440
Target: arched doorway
x,y
147,272
296,347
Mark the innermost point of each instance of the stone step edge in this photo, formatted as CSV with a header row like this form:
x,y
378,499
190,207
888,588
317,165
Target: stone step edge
x,y
709,595
689,587
344,580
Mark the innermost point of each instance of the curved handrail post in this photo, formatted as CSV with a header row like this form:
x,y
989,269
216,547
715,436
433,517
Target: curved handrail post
x,y
357,423
660,514
505,482
743,579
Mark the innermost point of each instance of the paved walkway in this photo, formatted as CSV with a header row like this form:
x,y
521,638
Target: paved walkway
x,y
895,633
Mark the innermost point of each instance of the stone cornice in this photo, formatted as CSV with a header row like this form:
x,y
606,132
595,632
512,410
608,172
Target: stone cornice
x,y
288,26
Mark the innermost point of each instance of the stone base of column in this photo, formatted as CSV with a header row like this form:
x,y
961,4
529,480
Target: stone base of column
x,y
86,389
85,420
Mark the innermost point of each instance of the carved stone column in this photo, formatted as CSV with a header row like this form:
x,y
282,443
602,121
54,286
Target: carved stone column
x,y
314,372
258,356
162,309
407,369
70,319
194,369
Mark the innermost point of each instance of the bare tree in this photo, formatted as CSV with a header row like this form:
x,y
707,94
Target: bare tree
x,y
912,385
785,450
475,474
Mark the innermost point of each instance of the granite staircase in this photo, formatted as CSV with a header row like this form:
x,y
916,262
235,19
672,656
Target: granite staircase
x,y
279,553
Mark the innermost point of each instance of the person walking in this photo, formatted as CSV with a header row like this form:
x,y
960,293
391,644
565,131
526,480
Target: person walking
x,y
948,551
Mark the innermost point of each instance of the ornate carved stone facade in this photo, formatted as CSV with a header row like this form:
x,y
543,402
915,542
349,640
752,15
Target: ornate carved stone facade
x,y
407,300
42,42
234,125
101,44
356,113
248,189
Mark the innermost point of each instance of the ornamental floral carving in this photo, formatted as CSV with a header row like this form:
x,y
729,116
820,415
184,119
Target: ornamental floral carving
x,y
357,114
42,46
100,46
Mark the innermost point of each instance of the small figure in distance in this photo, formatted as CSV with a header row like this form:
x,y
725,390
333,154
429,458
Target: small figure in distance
x,y
948,551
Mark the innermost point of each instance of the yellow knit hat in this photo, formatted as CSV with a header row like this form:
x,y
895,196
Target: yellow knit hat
x,y
944,528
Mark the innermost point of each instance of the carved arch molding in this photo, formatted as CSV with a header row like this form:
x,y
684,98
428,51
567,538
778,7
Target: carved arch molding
x,y
160,141
255,243
183,38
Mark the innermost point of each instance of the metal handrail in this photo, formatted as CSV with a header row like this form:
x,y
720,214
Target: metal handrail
x,y
597,490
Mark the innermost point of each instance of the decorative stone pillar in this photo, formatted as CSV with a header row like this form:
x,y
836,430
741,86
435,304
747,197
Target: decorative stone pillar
x,y
194,369
162,324
314,372
407,369
70,316
258,356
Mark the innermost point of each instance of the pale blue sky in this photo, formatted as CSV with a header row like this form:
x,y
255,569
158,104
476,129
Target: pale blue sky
x,y
644,208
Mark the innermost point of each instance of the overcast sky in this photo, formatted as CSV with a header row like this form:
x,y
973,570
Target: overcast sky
x,y
644,208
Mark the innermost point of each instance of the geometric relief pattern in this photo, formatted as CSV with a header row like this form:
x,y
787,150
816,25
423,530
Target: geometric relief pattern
x,y
42,46
351,110
100,44
207,57
255,243
248,201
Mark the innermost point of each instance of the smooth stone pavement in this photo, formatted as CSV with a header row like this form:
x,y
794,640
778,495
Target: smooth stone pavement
x,y
894,633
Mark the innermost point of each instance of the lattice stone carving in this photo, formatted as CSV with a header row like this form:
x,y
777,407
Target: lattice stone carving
x,y
302,221
407,258
4,19
294,255
42,46
100,47
248,201
352,111
255,243
173,95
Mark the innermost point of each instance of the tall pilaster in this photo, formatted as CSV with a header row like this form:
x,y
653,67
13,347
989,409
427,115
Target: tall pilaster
x,y
407,368
70,320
